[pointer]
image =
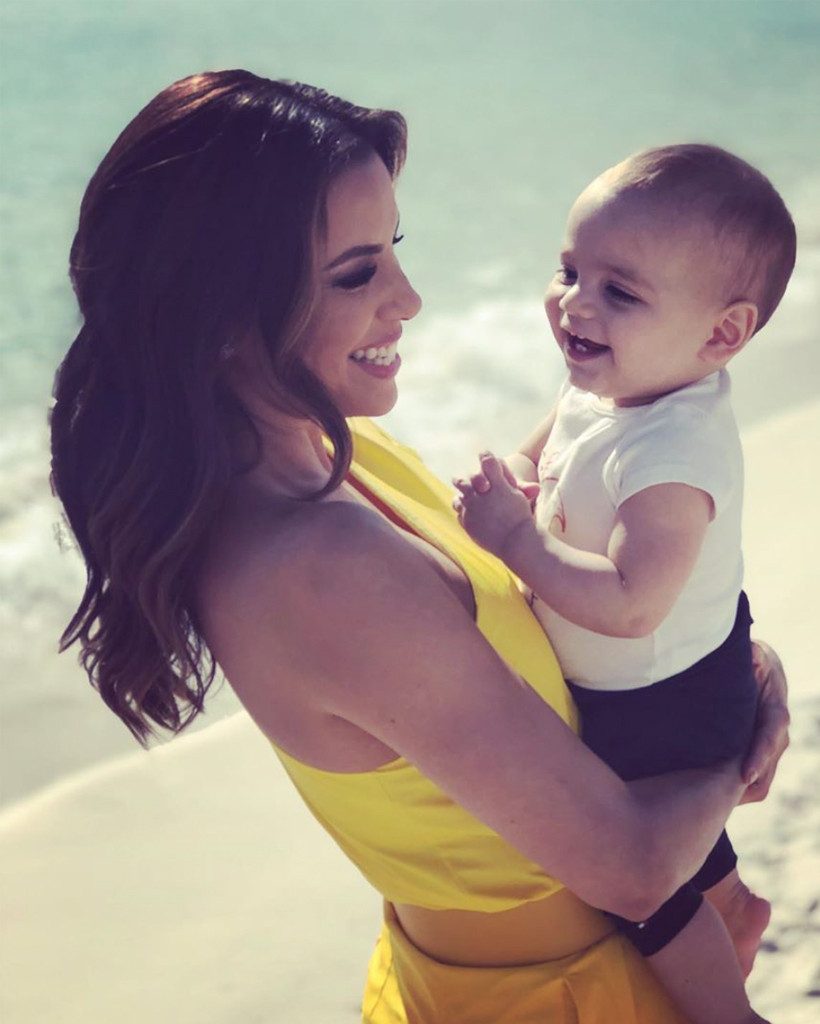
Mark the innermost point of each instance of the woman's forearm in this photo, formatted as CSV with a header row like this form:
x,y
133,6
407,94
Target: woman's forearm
x,y
626,847
682,814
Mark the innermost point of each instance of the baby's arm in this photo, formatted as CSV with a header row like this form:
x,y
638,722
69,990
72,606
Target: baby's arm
x,y
628,591
700,971
523,463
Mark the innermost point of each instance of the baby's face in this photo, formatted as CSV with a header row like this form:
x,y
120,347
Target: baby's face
x,y
636,298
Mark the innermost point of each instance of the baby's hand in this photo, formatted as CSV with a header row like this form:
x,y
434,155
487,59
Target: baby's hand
x,y
491,506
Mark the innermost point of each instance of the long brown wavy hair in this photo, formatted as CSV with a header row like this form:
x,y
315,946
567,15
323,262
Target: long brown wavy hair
x,y
198,227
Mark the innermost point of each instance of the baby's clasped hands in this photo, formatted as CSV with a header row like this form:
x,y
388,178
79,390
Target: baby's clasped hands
x,y
492,505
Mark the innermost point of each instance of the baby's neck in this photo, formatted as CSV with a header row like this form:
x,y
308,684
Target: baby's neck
x,y
628,403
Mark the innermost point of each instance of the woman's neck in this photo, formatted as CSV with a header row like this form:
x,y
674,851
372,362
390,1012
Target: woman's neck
x,y
292,459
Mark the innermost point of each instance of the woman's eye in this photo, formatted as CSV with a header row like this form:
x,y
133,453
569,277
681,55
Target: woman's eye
x,y
397,239
356,279
566,275
619,295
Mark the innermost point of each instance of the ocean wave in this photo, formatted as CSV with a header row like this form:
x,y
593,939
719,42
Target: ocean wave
x,y
476,378
473,379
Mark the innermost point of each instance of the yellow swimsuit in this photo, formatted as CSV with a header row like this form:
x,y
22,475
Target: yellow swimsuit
x,y
416,846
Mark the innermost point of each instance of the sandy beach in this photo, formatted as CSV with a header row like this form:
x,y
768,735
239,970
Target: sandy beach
x,y
190,886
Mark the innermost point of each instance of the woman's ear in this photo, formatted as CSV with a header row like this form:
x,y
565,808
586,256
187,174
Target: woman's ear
x,y
733,328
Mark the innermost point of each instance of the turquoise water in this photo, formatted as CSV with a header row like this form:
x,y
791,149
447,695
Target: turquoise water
x,y
513,106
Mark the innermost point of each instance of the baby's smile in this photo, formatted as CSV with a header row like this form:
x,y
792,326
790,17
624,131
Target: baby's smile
x,y
583,348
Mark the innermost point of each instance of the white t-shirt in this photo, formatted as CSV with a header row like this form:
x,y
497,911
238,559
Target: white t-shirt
x,y
597,457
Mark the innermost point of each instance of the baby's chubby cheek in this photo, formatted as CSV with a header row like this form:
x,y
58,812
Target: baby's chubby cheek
x,y
552,307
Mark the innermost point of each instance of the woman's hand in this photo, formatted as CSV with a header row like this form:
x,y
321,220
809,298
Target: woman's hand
x,y
772,732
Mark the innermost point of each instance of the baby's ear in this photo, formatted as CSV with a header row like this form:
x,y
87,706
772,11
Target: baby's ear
x,y
735,325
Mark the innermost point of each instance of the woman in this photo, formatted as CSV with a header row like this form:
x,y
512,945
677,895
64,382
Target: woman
x,y
236,271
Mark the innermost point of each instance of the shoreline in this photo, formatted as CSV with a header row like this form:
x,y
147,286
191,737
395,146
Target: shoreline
x,y
63,727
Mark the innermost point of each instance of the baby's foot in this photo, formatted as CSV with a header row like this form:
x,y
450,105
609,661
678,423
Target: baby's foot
x,y
745,915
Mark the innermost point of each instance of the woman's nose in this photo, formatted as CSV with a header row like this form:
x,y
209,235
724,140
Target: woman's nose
x,y
414,302
406,301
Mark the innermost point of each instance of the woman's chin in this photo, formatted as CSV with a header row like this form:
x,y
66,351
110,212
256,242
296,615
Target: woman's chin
x,y
372,405
381,408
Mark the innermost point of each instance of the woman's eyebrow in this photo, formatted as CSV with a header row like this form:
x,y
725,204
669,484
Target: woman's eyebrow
x,y
352,253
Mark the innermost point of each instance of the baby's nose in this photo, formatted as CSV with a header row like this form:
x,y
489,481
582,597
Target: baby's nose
x,y
577,302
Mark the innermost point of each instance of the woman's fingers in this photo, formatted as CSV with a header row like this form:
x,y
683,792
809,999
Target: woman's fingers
x,y
772,734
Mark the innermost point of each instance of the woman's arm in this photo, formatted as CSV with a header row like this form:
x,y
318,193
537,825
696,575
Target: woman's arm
x,y
369,634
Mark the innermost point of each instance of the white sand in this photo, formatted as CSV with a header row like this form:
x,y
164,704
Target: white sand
x,y
189,885
184,886
779,840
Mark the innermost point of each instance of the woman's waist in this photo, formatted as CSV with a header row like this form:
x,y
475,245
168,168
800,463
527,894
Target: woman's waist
x,y
546,929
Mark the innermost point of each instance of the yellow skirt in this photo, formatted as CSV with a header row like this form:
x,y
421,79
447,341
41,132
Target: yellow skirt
x,y
608,983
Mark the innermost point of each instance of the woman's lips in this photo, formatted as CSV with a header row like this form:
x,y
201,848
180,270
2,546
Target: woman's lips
x,y
383,372
379,361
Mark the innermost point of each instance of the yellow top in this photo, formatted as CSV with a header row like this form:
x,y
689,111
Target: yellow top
x,y
407,837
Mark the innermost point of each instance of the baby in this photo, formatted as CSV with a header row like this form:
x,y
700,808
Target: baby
x,y
673,259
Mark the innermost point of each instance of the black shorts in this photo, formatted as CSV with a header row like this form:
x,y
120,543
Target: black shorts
x,y
696,718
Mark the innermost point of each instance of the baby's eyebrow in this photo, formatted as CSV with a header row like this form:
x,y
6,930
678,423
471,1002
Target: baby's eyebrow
x,y
628,275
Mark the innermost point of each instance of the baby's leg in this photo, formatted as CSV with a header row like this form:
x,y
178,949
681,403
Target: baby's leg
x,y
690,950
699,969
745,915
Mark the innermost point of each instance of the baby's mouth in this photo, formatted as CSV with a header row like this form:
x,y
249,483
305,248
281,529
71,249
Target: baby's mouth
x,y
583,348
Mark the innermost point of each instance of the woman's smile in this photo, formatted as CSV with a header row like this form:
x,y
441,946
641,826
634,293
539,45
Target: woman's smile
x,y
365,297
380,361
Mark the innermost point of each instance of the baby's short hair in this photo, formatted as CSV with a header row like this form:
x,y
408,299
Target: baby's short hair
x,y
753,228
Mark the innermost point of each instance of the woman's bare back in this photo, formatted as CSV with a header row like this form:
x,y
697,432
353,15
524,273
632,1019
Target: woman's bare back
x,y
260,529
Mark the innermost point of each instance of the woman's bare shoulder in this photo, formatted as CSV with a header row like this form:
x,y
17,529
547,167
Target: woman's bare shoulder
x,y
271,551
341,639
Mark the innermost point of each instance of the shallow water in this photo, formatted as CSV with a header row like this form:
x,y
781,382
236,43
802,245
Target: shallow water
x,y
513,106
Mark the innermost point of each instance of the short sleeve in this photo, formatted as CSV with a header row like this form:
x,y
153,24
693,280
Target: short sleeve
x,y
681,445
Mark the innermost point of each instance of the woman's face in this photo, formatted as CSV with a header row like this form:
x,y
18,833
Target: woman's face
x,y
352,336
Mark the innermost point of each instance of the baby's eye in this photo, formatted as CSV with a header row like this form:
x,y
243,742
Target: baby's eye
x,y
357,278
397,239
619,295
566,275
